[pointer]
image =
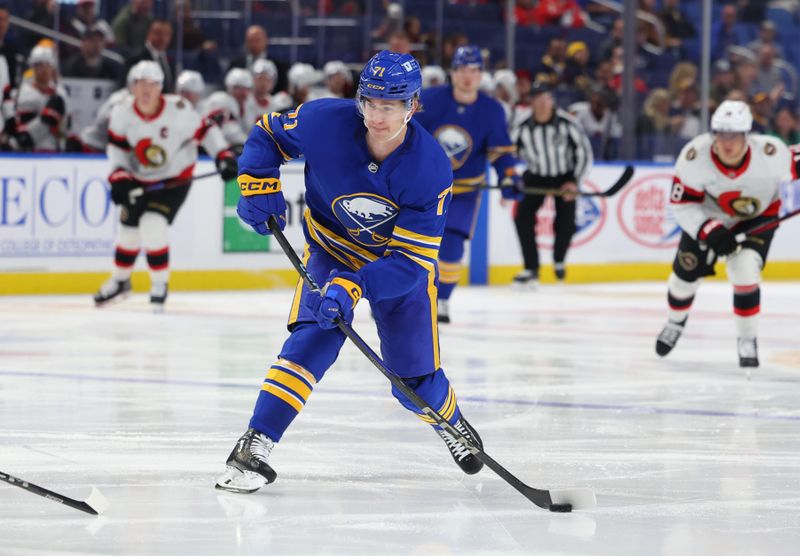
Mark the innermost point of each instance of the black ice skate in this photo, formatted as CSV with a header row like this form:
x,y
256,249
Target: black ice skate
x,y
669,337
247,467
748,352
527,279
112,290
468,463
443,311
560,271
158,296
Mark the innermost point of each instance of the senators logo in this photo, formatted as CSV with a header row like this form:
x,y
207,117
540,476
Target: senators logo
x,y
692,154
769,149
734,204
688,261
149,154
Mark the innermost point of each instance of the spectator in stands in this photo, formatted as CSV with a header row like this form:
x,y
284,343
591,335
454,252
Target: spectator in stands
x,y
746,74
648,27
682,73
398,42
723,80
256,47
752,11
86,18
613,40
617,68
761,105
8,57
155,48
564,13
724,33
41,106
685,113
578,73
193,37
767,34
653,127
677,27
552,65
41,13
785,126
769,77
599,122
88,63
525,12
132,25
395,17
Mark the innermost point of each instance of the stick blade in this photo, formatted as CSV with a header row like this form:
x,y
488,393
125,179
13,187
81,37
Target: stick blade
x,y
578,498
96,501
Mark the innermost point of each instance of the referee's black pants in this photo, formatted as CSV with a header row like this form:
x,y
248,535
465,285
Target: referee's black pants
x,y
563,228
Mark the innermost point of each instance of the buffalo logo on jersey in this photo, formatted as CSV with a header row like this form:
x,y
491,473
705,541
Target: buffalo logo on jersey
x,y
367,217
734,204
456,142
149,154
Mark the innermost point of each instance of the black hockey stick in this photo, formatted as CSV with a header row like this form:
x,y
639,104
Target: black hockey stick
x,y
621,182
766,225
553,500
168,184
95,504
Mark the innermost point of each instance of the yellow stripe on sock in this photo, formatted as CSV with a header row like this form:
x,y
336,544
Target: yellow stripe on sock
x,y
284,395
300,388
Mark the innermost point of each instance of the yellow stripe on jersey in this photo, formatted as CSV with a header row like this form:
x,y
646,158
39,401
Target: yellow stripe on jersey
x,y
264,124
496,152
294,312
449,273
447,410
292,115
292,383
341,249
465,185
432,295
279,392
405,234
428,252
297,369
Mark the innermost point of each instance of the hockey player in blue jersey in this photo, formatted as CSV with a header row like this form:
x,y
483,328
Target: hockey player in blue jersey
x,y
471,128
377,188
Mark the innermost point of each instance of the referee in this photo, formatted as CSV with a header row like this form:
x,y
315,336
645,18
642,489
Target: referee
x,y
558,154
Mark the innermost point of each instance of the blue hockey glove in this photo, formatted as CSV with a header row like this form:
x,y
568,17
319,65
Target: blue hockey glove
x,y
511,188
337,299
261,198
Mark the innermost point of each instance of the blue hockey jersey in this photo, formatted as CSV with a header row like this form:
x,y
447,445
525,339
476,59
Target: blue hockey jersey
x,y
385,219
471,135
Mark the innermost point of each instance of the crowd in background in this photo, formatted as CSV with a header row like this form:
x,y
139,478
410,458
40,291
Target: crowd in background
x,y
586,80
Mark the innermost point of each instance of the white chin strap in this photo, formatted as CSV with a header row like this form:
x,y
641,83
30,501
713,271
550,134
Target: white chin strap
x,y
399,131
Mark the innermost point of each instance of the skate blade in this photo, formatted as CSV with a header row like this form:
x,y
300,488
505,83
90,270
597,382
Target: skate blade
x,y
113,301
244,482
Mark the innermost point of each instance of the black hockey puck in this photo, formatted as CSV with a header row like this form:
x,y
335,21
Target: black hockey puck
x,y
561,508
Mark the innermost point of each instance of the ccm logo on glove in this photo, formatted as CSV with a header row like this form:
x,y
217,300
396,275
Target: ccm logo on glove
x,y
248,185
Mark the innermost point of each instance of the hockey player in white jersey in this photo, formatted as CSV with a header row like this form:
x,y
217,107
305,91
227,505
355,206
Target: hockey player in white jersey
x,y
191,86
726,182
265,76
227,108
94,137
153,140
40,110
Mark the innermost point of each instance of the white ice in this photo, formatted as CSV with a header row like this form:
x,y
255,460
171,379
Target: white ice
x,y
686,455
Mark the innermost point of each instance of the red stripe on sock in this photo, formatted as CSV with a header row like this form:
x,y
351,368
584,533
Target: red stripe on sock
x,y
747,312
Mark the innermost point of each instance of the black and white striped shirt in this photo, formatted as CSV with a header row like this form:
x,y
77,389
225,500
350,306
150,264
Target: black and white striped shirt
x,y
557,148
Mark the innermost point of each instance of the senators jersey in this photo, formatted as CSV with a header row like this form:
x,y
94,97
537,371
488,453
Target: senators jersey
x,y
162,146
704,188
256,107
471,135
95,135
42,114
222,109
385,219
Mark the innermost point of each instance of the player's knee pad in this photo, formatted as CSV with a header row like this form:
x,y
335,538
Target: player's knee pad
x,y
435,390
744,268
680,288
128,238
155,231
313,348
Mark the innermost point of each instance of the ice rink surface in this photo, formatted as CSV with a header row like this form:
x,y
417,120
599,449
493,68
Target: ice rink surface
x,y
687,455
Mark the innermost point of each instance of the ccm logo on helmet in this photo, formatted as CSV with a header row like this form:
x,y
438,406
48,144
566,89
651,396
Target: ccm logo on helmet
x,y
248,185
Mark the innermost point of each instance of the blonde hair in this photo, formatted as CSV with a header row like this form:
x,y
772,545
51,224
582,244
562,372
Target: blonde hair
x,y
682,73
659,119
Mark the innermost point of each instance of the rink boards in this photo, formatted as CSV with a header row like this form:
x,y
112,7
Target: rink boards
x,y
57,227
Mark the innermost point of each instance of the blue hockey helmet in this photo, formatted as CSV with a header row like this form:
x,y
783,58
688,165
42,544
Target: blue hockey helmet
x,y
469,55
390,76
